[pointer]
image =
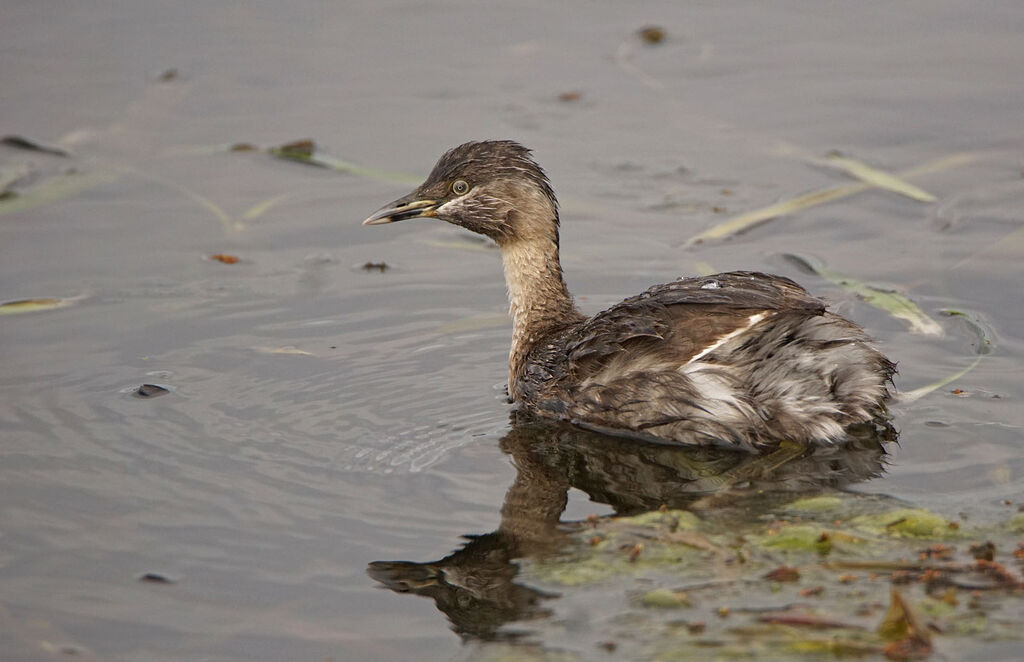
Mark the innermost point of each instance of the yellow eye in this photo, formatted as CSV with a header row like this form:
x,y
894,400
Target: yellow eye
x,y
460,187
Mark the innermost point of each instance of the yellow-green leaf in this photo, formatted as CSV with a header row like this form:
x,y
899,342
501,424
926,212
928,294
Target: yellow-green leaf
x,y
983,348
32,305
743,222
891,301
879,178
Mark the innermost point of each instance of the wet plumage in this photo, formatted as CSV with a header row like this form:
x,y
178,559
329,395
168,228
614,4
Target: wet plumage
x,y
741,358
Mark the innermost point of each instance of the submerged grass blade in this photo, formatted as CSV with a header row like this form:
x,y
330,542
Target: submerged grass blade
x,y
1009,246
891,301
743,222
229,224
261,208
462,245
878,178
13,176
921,391
983,349
53,189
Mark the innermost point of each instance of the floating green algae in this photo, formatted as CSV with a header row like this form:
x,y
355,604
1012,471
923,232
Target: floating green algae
x,y
675,519
663,598
1016,523
909,523
815,504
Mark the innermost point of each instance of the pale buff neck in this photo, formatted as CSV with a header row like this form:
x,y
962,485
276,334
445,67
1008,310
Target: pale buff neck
x,y
539,301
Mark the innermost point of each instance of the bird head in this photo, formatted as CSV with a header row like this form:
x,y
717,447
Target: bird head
x,y
493,188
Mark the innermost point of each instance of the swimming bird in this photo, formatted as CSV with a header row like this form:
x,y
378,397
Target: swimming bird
x,y
744,359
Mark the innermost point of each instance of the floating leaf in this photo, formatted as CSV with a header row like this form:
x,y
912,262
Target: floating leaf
x,y
283,350
890,301
53,189
745,221
21,142
305,151
879,178
32,305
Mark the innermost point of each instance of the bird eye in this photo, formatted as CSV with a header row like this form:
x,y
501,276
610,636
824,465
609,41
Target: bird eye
x,y
460,187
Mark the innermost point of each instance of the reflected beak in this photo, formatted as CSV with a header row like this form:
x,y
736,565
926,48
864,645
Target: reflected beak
x,y
402,210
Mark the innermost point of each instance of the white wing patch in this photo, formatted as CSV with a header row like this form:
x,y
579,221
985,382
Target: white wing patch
x,y
751,321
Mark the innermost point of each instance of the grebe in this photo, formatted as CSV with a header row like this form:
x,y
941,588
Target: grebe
x,y
740,358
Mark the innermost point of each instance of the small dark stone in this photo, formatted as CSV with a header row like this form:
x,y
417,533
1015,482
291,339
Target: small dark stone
x,y
150,391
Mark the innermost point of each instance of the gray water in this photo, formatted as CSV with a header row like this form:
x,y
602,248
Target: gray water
x,y
320,415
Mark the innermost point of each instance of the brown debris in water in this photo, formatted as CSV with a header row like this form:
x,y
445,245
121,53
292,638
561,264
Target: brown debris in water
x,y
298,148
909,638
225,258
652,34
783,573
937,551
808,621
150,391
983,551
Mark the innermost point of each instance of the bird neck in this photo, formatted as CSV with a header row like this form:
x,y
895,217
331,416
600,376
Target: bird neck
x,y
539,301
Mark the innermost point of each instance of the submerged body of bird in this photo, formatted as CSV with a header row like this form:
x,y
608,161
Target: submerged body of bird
x,y
741,358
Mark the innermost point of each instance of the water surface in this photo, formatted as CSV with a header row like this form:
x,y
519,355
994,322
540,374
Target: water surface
x,y
320,415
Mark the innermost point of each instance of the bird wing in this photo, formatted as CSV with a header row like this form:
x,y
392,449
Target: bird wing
x,y
640,365
701,309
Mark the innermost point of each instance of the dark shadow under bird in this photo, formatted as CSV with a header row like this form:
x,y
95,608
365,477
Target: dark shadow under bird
x,y
742,358
478,587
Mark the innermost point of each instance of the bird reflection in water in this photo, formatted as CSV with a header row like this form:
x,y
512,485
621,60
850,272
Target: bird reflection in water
x,y
475,585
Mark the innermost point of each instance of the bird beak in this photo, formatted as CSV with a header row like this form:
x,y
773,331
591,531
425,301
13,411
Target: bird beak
x,y
402,210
